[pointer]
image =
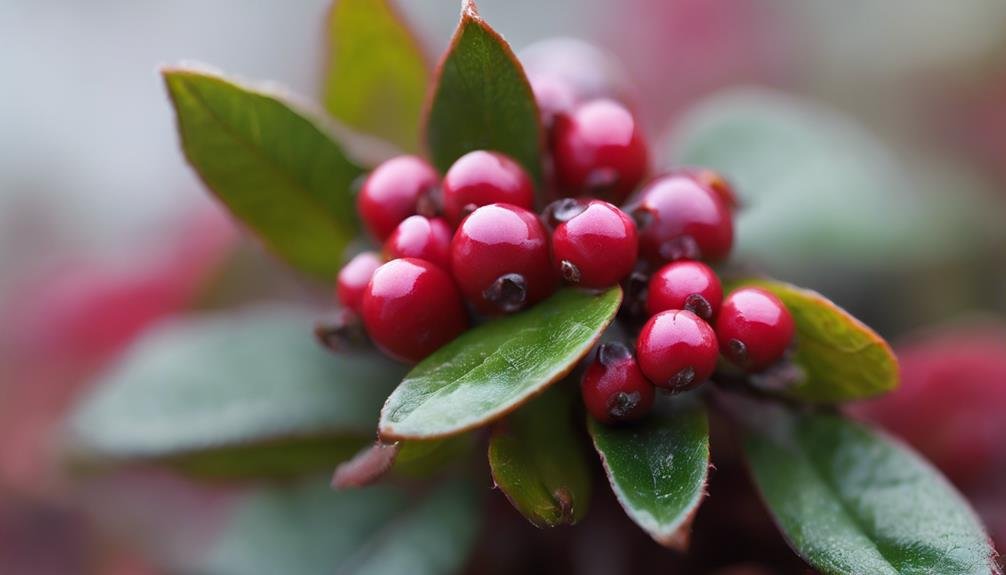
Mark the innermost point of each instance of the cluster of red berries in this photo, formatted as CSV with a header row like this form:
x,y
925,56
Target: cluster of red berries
x,y
473,238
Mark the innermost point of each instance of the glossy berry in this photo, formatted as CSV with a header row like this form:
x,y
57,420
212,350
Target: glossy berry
x,y
680,218
614,389
596,247
553,96
411,308
716,182
499,257
423,238
754,328
598,150
394,191
688,285
481,178
353,279
677,350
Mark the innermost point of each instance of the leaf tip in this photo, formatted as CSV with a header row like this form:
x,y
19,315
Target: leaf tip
x,y
564,504
366,467
470,11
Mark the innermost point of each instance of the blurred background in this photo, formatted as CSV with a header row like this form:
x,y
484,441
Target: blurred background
x,y
867,141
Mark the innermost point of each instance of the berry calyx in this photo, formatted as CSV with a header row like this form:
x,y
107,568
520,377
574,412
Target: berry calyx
x,y
596,247
500,259
680,218
687,285
613,387
481,178
677,350
353,279
411,308
423,238
754,329
395,190
598,150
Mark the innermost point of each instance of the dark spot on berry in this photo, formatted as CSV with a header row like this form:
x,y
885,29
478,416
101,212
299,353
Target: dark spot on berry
x,y
570,272
737,351
699,305
344,331
508,292
561,211
430,203
642,217
680,248
684,379
600,182
613,352
621,404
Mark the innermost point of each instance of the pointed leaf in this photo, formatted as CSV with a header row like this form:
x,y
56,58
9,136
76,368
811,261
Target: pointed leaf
x,y
491,370
273,167
842,358
538,461
376,74
309,529
482,100
243,394
403,458
658,467
851,500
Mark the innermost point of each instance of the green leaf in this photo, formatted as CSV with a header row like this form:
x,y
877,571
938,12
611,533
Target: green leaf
x,y
310,529
376,73
482,100
537,459
276,170
821,193
842,359
851,500
241,394
658,467
491,370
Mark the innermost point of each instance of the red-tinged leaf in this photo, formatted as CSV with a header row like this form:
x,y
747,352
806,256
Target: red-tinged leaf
x,y
839,357
658,467
277,169
491,370
481,100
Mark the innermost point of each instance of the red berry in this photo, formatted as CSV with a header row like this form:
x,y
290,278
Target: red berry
x,y
411,308
553,96
499,257
614,389
692,286
754,328
588,70
598,150
677,350
680,218
597,247
715,182
481,178
353,279
394,191
423,238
